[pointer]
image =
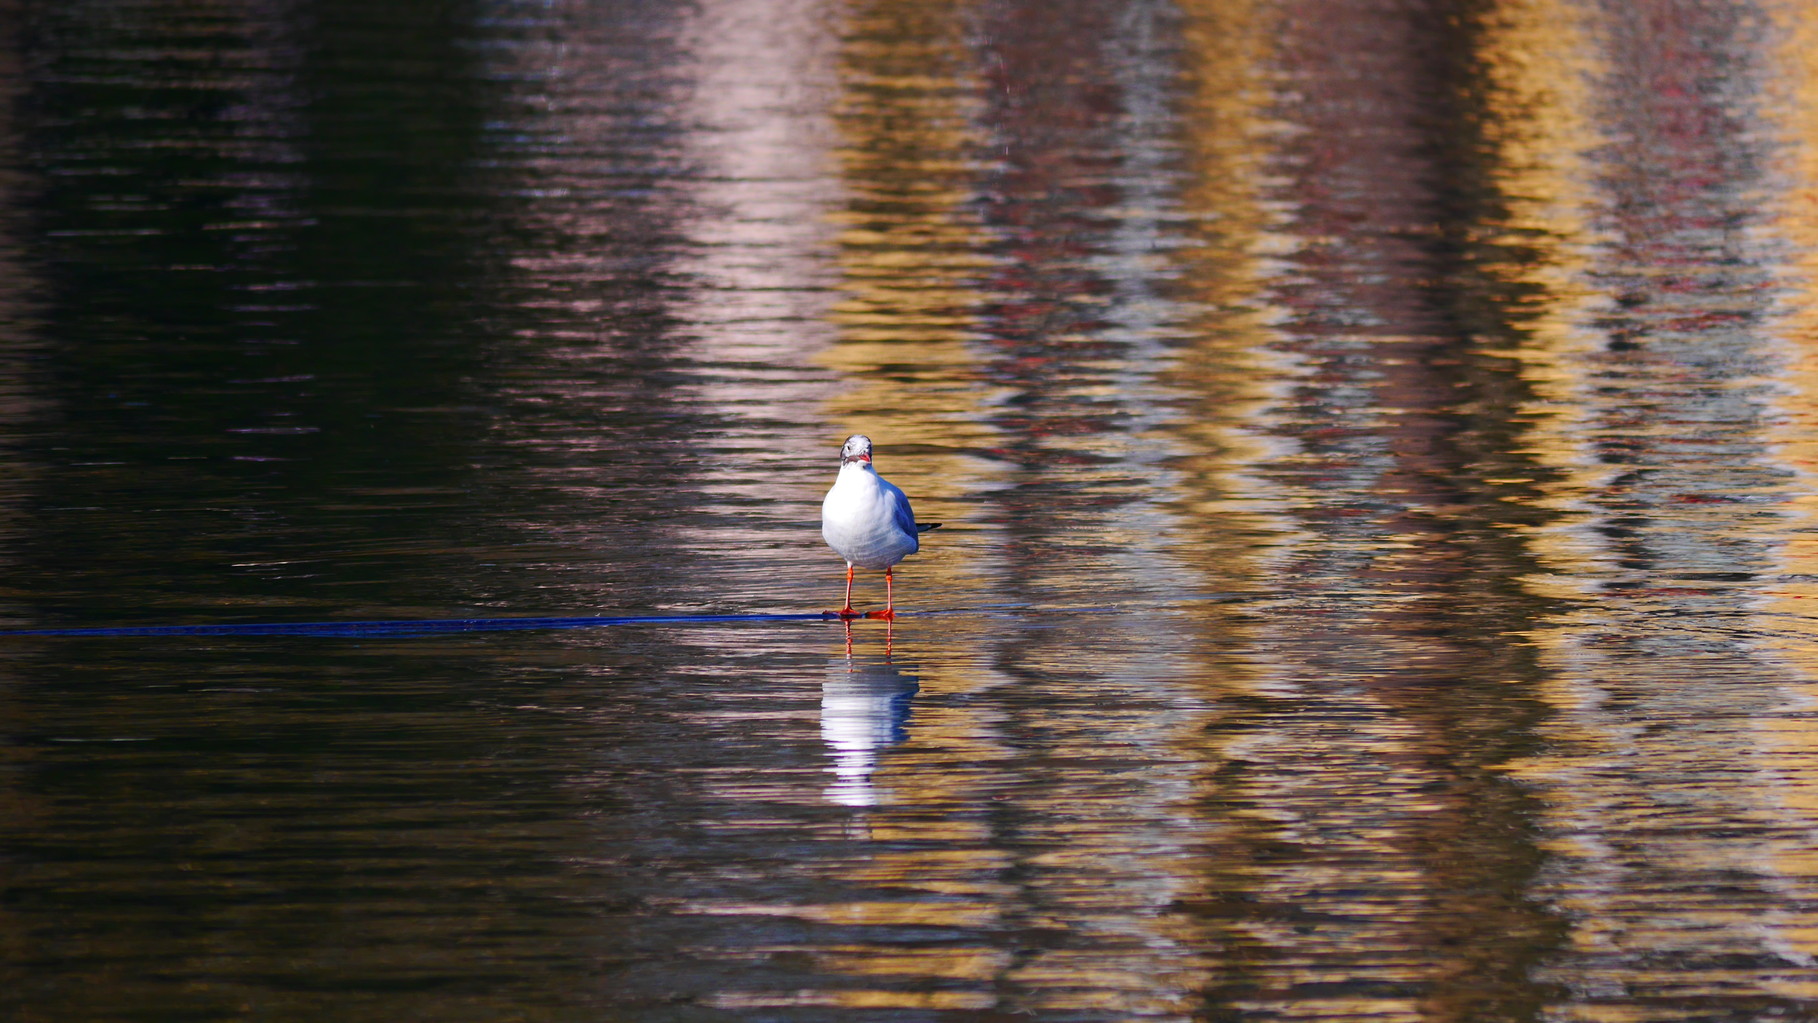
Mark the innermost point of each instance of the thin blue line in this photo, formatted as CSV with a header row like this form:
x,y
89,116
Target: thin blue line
x,y
407,627
436,626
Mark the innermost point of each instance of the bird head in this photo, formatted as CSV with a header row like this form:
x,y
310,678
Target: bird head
x,y
856,449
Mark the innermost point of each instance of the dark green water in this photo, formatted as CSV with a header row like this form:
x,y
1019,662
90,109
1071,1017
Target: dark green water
x,y
1375,441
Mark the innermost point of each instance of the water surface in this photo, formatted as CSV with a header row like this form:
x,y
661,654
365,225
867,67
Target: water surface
x,y
1374,440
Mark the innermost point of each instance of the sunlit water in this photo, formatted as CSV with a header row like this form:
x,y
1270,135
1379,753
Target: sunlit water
x,y
1375,442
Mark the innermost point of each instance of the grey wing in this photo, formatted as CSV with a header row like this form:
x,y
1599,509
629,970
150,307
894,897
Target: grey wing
x,y
899,510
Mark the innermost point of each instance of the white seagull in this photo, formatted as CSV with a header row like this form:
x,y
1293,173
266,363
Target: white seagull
x,y
867,521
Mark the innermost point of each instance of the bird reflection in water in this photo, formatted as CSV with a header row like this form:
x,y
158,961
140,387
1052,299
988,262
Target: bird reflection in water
x,y
865,708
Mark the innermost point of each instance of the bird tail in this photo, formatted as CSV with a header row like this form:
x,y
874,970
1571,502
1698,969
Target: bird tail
x,y
923,527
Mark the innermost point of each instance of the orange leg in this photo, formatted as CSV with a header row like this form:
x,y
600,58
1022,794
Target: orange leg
x,y
847,612
889,612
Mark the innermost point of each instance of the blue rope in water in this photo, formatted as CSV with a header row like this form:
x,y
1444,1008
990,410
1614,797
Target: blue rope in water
x,y
435,626
418,627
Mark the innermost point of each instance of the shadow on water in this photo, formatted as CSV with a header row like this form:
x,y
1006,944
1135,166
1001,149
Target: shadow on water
x,y
257,246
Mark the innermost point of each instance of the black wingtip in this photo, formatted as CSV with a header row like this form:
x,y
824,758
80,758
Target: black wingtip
x,y
923,527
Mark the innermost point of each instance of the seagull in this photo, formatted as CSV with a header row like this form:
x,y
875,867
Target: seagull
x,y
867,521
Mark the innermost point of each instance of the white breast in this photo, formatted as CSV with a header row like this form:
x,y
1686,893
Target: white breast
x,y
863,519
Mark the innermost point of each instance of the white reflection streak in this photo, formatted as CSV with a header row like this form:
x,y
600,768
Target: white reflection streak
x,y
760,271
762,265
865,707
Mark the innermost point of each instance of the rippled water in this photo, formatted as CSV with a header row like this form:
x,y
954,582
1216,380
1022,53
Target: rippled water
x,y
1376,441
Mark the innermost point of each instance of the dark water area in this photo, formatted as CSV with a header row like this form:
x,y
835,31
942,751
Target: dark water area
x,y
1376,443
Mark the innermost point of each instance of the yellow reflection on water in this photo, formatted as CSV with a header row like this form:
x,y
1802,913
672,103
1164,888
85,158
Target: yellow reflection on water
x,y
1789,742
907,251
907,239
1226,367
1671,766
1341,415
849,998
1232,379
1795,218
1315,786
1539,68
982,790
908,247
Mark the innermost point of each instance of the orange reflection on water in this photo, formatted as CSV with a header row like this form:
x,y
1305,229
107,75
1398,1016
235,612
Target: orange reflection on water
x,y
1788,741
906,248
1667,768
1540,66
1228,370
1795,219
1354,785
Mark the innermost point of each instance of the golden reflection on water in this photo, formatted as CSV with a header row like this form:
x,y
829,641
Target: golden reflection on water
x,y
1327,437
1795,219
1658,441
1540,66
1228,370
1381,461
933,343
1791,743
907,252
